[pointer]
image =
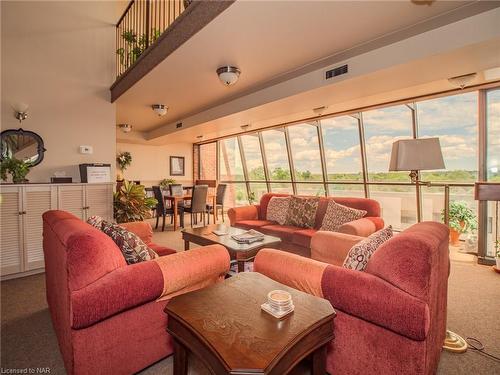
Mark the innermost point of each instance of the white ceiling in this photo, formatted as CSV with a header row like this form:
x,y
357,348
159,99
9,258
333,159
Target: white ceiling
x,y
265,40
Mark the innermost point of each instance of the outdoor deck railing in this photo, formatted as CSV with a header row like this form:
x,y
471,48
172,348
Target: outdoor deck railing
x,y
141,25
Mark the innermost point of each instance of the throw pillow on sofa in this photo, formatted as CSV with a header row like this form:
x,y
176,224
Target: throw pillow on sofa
x,y
95,221
277,209
134,250
337,215
359,255
302,212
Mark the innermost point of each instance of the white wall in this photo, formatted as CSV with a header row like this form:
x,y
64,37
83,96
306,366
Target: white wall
x,y
150,164
58,57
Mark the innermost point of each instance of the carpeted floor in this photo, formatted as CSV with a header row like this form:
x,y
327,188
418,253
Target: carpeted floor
x,y
28,340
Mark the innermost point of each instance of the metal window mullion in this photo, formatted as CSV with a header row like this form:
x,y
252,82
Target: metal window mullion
x,y
290,160
217,160
482,176
322,157
264,161
362,144
243,164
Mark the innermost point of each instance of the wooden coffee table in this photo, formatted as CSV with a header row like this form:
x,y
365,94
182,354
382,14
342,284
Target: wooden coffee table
x,y
224,326
241,253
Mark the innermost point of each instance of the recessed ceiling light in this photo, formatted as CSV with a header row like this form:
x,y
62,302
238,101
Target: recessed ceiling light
x,y
228,75
160,109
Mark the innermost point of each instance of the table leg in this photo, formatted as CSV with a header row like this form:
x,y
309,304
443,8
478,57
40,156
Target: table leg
x,y
241,266
186,245
319,361
180,359
175,215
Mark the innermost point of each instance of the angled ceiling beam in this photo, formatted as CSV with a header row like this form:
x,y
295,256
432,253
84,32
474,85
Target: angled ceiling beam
x,y
196,16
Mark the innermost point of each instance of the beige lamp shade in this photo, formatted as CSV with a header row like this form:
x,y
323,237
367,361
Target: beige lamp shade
x,y
416,155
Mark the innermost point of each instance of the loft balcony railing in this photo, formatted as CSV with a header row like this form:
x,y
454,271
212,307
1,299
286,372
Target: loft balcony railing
x,y
140,26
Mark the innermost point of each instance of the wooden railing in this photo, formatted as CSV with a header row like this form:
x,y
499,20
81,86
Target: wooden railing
x,y
141,25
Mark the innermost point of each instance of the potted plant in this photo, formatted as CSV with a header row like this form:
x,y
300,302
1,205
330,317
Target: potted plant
x,y
251,197
164,184
18,169
130,203
461,220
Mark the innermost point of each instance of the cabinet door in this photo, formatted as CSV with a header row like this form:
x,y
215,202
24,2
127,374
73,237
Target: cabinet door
x,y
72,199
99,201
11,230
36,201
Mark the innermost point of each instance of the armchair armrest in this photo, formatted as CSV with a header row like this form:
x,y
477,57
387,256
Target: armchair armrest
x,y
117,291
193,269
290,269
372,299
141,228
236,214
362,227
332,247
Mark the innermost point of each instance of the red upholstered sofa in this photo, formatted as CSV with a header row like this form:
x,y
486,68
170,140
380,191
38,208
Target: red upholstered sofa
x,y
298,240
391,318
104,312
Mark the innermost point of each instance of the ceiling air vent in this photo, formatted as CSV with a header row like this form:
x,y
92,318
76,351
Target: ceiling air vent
x,y
336,72
178,125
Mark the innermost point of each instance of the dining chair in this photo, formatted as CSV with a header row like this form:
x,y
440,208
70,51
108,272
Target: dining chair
x,y
219,201
162,210
198,205
177,190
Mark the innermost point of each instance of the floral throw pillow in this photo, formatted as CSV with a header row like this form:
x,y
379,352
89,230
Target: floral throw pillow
x,y
337,215
302,212
95,221
132,247
277,209
359,255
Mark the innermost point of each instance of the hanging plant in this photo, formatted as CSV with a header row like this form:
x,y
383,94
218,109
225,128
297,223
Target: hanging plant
x,y
124,159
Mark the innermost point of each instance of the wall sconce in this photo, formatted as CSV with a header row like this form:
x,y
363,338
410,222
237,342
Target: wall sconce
x,y
20,111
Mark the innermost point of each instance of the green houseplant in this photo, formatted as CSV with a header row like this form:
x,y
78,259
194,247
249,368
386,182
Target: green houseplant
x,y
130,203
166,182
134,46
18,169
124,159
461,220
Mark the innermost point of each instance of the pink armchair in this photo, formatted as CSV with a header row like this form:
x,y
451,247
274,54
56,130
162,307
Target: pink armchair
x,y
391,318
105,313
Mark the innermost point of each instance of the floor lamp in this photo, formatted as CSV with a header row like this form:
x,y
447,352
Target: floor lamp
x,y
417,155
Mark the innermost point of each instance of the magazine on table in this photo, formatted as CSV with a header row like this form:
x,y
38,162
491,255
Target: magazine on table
x,y
249,236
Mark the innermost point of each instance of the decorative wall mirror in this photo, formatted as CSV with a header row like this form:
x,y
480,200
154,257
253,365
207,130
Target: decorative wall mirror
x,y
22,145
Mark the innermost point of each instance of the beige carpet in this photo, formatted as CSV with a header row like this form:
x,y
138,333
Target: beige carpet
x,y
28,340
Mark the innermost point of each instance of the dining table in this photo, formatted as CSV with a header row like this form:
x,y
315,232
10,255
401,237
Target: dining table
x,y
175,199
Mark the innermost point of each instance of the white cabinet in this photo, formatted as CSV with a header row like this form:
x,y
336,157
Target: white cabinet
x,y
21,225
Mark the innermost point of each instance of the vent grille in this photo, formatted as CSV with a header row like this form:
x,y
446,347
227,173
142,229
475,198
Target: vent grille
x,y
178,125
336,71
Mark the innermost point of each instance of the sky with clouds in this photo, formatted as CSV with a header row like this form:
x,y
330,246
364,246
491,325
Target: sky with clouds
x,y
453,119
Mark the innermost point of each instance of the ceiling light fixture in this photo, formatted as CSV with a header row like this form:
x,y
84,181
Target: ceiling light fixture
x,y
126,128
319,110
228,75
160,109
462,81
245,127
199,137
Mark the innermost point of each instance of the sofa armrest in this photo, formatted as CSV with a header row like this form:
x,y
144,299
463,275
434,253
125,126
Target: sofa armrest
x,y
117,291
362,227
194,269
332,247
141,228
236,214
290,269
372,299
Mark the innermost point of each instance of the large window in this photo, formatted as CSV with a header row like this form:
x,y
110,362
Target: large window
x,y
276,154
253,157
231,168
342,149
493,166
208,161
454,120
383,126
305,150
